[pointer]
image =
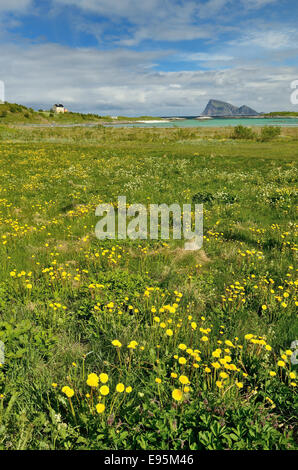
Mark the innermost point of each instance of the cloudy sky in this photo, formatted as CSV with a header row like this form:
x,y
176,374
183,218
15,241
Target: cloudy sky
x,y
154,57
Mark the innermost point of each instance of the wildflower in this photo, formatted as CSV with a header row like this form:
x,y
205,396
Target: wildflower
x,y
100,407
186,389
207,370
120,388
292,375
128,389
182,360
92,380
54,385
182,346
239,384
272,373
177,394
158,380
169,332
183,379
116,343
216,365
216,353
68,391
223,375
174,375
219,384
103,378
204,338
281,363
249,336
132,345
104,390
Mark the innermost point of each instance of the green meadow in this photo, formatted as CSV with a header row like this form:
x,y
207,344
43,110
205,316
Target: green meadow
x,y
140,344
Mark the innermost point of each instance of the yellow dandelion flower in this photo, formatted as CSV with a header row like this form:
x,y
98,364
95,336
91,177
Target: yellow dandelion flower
x,y
103,378
183,379
68,391
177,394
120,388
104,390
100,407
92,380
224,375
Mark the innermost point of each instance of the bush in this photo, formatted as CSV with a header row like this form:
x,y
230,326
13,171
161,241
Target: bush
x,y
269,132
241,132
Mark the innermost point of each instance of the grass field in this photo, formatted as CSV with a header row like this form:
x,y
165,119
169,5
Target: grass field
x,y
123,344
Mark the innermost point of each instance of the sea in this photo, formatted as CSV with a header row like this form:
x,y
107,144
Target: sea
x,y
190,121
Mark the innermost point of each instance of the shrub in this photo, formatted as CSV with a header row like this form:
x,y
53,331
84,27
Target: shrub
x,y
241,132
269,132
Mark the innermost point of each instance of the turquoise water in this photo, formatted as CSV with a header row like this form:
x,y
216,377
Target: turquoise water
x,y
285,122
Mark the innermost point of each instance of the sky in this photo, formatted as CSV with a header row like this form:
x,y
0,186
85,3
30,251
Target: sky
x,y
149,57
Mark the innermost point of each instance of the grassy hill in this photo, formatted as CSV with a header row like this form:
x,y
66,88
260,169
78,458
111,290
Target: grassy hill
x,y
12,113
282,114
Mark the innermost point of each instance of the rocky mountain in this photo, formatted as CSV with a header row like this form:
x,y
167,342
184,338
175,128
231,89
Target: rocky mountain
x,y
220,108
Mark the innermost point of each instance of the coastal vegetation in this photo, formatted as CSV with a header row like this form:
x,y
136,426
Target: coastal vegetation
x,y
281,114
123,344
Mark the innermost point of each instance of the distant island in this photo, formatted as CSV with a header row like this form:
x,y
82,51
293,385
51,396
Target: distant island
x,y
216,108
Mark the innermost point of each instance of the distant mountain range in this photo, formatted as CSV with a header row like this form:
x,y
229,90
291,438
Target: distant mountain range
x,y
220,108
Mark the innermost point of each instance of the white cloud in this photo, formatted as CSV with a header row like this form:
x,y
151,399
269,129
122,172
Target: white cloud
x,y
16,6
121,82
207,57
270,39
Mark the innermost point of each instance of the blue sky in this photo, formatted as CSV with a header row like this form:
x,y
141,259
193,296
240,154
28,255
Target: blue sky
x,y
159,57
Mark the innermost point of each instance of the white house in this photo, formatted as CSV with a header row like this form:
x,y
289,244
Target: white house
x,y
59,108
